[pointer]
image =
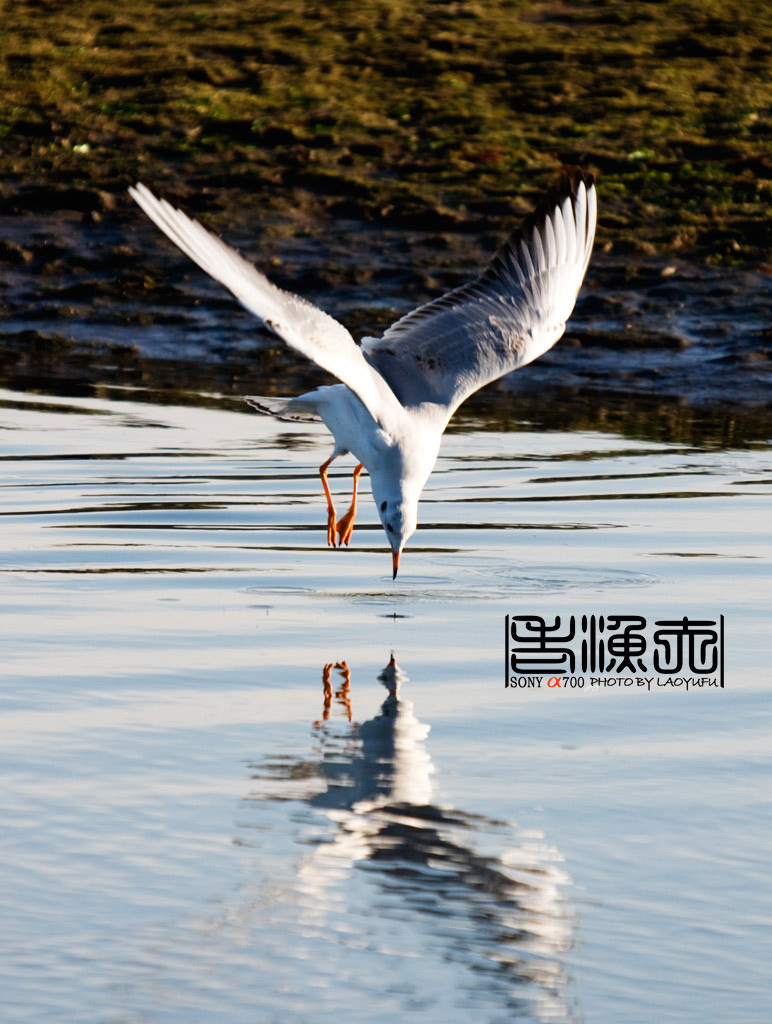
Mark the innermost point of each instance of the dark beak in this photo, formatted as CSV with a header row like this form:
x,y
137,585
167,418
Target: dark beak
x,y
395,563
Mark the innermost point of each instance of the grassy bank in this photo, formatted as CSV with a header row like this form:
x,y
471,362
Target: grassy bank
x,y
440,115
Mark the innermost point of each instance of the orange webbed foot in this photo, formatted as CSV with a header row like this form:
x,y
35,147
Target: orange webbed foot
x,y
345,527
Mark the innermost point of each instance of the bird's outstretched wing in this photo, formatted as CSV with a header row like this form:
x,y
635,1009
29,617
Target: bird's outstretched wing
x,y
302,325
442,352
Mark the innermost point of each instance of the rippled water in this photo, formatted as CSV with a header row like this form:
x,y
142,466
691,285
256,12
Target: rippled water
x,y
221,802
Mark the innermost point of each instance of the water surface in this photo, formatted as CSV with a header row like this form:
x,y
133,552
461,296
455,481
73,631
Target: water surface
x,y
221,802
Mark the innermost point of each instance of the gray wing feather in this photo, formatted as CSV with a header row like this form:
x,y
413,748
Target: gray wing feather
x,y
445,350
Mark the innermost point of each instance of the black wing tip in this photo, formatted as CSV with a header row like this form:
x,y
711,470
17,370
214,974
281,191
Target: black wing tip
x,y
567,186
571,177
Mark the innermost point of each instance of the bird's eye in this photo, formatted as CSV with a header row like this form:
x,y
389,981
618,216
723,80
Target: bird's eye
x,y
383,506
389,527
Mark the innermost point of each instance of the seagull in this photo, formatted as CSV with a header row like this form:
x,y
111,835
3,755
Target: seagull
x,y
398,392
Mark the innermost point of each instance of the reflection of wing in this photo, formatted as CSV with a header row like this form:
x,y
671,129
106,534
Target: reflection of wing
x,y
444,351
302,325
493,910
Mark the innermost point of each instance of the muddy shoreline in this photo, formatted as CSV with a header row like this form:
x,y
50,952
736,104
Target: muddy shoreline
x,y
369,160
443,115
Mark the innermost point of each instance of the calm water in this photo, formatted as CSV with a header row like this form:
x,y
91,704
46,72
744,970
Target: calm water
x,y
220,803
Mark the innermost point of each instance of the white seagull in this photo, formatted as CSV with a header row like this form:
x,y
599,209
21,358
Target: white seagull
x,y
398,392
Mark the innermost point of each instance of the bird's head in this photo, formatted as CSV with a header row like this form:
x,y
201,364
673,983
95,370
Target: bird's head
x,y
400,519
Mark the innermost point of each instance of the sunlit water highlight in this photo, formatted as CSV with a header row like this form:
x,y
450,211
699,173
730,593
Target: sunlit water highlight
x,y
205,819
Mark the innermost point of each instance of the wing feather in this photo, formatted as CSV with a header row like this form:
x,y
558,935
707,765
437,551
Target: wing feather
x,y
560,235
443,351
299,323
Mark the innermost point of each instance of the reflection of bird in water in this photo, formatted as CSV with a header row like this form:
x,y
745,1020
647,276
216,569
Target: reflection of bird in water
x,y
492,909
398,392
391,764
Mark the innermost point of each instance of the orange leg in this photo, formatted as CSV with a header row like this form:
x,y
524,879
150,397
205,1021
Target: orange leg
x,y
345,524
330,507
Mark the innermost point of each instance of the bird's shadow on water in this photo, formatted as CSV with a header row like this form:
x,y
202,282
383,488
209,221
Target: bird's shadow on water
x,y
486,898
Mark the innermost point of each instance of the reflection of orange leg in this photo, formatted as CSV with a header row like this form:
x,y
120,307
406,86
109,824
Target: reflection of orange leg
x,y
343,695
327,691
330,507
345,524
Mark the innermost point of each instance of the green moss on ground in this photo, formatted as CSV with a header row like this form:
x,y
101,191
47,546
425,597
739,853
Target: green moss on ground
x,y
426,113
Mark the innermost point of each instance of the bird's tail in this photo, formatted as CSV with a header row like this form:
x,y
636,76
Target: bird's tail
x,y
291,410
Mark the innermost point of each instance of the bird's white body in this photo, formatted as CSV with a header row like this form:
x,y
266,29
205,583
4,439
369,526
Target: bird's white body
x,y
387,447
398,450
398,392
